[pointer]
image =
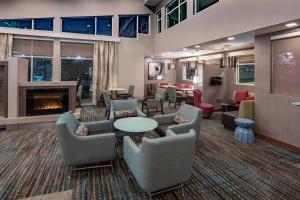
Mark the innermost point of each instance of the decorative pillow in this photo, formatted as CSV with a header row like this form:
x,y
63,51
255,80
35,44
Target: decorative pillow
x,y
125,113
180,119
239,95
82,130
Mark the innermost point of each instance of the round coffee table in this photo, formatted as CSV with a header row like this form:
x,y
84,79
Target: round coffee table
x,y
135,124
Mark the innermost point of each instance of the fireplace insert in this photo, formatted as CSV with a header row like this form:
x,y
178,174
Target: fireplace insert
x,y
47,101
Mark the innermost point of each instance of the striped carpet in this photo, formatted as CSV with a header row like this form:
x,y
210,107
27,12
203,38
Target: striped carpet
x,y
31,165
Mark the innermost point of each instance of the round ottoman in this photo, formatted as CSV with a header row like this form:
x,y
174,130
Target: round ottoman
x,y
207,108
243,132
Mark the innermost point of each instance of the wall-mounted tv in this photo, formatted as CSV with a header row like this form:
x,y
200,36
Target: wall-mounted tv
x,y
216,80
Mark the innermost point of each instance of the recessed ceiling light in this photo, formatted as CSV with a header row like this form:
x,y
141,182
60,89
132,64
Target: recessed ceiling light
x,y
185,49
197,46
292,24
169,53
231,38
163,54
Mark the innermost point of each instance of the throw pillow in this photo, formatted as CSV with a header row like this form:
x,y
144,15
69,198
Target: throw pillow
x,y
125,113
180,119
82,130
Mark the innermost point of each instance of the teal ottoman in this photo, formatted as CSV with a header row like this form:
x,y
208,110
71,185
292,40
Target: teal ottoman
x,y
243,132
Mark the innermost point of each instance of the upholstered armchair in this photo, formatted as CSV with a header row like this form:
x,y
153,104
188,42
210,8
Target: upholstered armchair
x,y
127,95
188,112
155,103
207,108
76,150
161,163
120,105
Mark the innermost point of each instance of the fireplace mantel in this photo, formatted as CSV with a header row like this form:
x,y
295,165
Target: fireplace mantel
x,y
47,83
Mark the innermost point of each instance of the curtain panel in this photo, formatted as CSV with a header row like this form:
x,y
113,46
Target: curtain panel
x,y
105,69
6,42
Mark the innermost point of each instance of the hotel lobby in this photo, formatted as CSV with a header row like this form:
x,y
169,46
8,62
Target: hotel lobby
x,y
131,99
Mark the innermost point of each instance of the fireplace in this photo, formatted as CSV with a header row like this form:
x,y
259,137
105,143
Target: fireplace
x,y
47,101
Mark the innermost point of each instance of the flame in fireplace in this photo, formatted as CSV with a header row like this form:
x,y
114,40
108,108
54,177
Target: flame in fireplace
x,y
47,102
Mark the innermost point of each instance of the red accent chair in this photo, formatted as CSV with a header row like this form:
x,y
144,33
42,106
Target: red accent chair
x,y
207,108
239,96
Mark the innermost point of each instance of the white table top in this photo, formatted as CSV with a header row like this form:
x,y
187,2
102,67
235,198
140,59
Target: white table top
x,y
135,124
116,89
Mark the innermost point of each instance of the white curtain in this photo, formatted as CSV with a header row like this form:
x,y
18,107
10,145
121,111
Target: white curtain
x,y
6,41
105,69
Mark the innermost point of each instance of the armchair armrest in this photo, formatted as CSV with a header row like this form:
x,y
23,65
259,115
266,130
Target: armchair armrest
x,y
99,126
181,128
140,113
164,119
131,151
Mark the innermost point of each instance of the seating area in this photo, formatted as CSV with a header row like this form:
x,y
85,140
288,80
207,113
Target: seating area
x,y
159,100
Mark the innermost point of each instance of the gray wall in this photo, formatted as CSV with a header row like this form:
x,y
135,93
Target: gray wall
x,y
275,116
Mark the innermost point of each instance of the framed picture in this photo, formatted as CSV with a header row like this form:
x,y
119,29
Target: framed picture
x,y
156,71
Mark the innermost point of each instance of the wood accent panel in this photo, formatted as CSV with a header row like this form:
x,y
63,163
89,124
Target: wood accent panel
x,y
3,88
275,116
22,96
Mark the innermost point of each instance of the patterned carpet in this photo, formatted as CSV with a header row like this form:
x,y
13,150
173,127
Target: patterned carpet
x,y
31,165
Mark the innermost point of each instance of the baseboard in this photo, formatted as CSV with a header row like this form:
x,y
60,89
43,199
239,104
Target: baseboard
x,y
278,142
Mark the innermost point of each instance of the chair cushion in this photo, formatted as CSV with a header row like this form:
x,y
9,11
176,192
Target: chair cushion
x,y
125,113
180,119
162,128
82,130
248,98
239,95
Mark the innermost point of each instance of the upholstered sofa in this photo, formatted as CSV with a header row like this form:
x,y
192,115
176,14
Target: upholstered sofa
x,y
246,110
76,150
162,162
190,113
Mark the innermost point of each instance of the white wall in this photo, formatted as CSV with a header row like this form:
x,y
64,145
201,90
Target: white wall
x,y
223,19
131,51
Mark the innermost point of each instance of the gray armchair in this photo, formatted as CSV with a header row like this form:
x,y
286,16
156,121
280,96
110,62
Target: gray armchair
x,y
76,150
191,113
128,104
162,162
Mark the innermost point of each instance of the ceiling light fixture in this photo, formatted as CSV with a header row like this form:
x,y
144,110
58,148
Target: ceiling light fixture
x,y
169,53
197,46
292,24
185,49
231,38
163,54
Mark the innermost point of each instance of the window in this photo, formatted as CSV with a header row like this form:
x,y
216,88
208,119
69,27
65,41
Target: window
x,y
77,65
88,25
143,24
104,26
128,26
245,74
45,24
84,25
158,22
39,54
203,4
285,70
21,23
176,11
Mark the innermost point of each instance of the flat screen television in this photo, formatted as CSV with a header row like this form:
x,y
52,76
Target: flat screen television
x,y
216,80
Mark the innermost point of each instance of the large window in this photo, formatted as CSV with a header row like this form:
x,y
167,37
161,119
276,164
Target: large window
x,y
39,54
45,24
88,25
245,74
203,4
143,24
158,22
128,26
77,65
176,11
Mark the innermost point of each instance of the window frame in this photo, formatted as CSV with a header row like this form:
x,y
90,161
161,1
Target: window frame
x,y
158,21
179,13
149,23
32,23
31,57
195,5
237,74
